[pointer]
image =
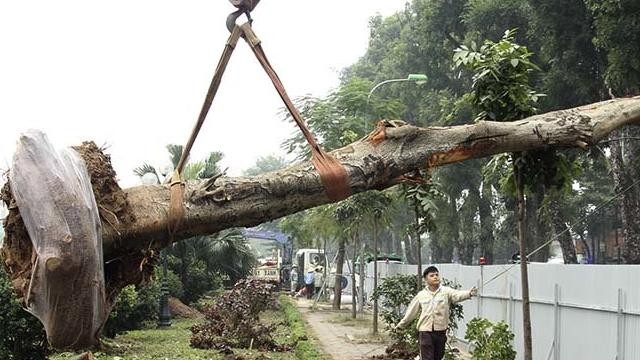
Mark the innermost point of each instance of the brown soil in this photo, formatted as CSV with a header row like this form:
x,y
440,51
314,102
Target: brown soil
x,y
112,201
179,309
396,351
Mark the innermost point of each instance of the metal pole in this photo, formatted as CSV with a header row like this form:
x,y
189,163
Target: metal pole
x,y
480,290
556,322
479,297
164,317
620,328
511,305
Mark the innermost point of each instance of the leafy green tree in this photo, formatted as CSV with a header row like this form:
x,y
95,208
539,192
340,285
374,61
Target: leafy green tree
x,y
488,19
616,24
563,33
340,118
348,213
266,164
421,193
502,92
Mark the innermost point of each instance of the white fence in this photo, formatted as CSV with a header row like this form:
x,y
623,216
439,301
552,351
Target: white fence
x,y
577,311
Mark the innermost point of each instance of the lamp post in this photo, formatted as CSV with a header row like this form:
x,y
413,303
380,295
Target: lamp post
x,y
416,78
164,314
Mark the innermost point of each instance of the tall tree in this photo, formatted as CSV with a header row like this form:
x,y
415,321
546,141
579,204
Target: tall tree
x,y
502,92
617,35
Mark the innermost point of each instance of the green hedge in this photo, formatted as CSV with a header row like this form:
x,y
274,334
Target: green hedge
x,y
22,336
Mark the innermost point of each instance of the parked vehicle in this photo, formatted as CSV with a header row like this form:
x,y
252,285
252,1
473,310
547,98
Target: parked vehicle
x,y
273,251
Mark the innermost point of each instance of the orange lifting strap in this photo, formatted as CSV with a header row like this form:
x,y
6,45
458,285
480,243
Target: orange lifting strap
x,y
332,173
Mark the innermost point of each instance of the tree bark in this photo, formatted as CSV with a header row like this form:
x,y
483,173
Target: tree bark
x,y
337,284
561,229
354,290
486,223
537,230
361,277
629,168
418,246
524,274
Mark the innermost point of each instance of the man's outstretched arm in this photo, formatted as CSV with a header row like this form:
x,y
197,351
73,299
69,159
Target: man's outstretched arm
x,y
412,312
456,296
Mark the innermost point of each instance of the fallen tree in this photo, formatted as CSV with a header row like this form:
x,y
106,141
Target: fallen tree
x,y
135,220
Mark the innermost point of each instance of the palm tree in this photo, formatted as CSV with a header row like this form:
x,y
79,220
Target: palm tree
x,y
226,253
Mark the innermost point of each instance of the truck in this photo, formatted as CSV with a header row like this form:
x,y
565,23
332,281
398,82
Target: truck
x,y
273,252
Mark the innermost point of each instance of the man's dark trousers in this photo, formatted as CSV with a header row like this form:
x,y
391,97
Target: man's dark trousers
x,y
432,344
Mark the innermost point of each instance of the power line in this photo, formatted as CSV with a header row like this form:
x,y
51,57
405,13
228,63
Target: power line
x,y
596,209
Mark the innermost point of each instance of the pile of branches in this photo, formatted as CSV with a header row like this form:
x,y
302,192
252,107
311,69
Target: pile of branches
x,y
233,321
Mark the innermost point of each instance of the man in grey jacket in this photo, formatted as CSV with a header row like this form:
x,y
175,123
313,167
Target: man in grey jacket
x,y
432,303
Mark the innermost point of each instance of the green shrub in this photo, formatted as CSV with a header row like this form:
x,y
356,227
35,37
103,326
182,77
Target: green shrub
x,y
133,308
491,341
196,282
394,294
176,288
22,336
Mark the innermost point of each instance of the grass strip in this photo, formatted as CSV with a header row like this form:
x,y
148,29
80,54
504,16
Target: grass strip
x,y
305,349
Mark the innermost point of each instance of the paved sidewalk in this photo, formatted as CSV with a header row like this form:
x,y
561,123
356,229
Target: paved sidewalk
x,y
341,341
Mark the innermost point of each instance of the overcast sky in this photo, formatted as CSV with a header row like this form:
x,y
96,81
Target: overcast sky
x,y
132,74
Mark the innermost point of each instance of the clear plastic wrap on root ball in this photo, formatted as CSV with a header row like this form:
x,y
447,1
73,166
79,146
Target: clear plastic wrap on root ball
x,y
67,290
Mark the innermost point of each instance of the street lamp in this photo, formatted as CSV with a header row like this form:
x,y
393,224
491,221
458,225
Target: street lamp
x,y
164,316
416,78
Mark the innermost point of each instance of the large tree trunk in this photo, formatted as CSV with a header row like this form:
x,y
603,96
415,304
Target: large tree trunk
x,y
486,223
560,227
373,163
631,249
418,246
625,168
538,232
133,234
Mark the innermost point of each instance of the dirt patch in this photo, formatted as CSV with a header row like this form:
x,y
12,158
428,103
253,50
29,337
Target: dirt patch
x,y
112,201
17,250
396,351
179,309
